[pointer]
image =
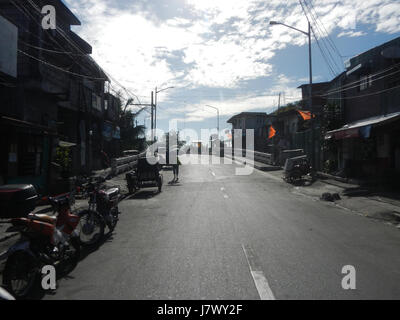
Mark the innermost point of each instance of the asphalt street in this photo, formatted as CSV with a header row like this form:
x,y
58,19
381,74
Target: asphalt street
x,y
217,235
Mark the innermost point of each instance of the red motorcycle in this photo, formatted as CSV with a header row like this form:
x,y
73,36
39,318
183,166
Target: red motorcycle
x,y
45,240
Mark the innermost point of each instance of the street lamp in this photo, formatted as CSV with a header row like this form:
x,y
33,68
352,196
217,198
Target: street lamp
x,y
215,108
155,104
308,34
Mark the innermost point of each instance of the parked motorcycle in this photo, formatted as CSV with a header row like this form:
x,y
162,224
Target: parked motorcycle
x,y
44,240
103,203
295,168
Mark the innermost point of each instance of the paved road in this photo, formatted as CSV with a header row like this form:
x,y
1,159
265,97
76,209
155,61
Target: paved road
x,y
216,235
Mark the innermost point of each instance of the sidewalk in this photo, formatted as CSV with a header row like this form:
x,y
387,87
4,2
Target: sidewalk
x,y
353,197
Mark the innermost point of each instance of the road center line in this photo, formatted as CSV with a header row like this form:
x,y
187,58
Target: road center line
x,y
261,282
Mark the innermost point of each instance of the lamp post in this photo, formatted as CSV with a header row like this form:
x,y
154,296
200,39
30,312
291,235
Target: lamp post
x,y
308,34
215,108
155,104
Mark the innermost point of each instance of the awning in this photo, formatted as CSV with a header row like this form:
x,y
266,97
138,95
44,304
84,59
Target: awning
x,y
66,144
26,125
361,128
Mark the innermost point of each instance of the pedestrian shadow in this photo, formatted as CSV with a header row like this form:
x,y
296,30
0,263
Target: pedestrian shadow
x,y
174,184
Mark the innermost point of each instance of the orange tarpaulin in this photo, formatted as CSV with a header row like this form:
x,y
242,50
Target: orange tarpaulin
x,y
272,132
306,115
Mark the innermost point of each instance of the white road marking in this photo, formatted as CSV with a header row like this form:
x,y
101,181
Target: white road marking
x,y
261,282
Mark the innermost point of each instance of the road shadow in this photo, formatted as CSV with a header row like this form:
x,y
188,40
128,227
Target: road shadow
x,y
373,191
174,183
303,182
143,194
88,250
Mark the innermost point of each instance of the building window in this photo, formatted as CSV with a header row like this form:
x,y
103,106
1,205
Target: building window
x,y
365,82
30,156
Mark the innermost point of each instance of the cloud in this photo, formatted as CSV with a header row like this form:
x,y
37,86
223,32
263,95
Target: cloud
x,y
214,43
351,34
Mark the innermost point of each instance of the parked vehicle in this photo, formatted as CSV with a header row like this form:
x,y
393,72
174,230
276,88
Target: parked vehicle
x,y
17,200
4,295
295,168
45,240
103,203
147,175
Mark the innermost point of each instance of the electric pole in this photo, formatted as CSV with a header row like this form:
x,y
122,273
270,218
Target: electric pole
x,y
152,116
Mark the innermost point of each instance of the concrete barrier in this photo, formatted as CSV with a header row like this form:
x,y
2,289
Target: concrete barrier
x,y
124,164
266,158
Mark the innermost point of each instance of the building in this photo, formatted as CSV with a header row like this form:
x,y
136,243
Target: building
x,y
367,95
56,98
255,121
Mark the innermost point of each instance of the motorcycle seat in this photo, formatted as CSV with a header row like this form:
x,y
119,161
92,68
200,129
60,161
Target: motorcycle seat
x,y
112,192
43,218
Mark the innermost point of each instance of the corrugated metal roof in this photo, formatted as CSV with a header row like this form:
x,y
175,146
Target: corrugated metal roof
x,y
367,122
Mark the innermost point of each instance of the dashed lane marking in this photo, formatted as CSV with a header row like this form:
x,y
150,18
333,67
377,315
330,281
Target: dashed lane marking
x,y
261,282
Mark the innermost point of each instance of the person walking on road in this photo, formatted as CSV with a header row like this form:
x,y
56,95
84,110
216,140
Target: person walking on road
x,y
175,168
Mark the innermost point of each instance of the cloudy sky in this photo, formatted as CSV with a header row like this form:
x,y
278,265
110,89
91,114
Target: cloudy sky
x,y
224,53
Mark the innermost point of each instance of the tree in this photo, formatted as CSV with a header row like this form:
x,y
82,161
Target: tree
x,y
132,135
331,119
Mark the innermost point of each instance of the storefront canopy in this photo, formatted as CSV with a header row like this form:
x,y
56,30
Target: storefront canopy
x,y
361,128
65,144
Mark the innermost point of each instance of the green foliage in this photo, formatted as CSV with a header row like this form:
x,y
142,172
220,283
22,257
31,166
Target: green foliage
x,y
331,119
132,136
63,158
288,107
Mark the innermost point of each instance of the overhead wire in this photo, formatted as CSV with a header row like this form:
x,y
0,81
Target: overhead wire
x,y
71,54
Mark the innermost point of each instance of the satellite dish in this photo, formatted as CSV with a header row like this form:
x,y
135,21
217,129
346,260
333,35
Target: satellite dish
x,y
391,52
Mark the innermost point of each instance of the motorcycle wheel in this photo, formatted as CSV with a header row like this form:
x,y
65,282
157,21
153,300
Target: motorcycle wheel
x,y
90,222
70,259
20,274
113,219
159,184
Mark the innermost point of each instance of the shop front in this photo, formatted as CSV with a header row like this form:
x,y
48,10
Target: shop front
x,y
369,148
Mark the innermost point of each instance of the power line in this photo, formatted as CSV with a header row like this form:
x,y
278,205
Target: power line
x,y
59,68
347,87
365,95
71,54
325,52
330,40
324,57
52,51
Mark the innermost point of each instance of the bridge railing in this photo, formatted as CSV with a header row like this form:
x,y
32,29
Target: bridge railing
x,y
262,157
124,164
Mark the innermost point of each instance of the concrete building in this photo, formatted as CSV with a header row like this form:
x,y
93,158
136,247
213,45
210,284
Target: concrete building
x,y
368,95
56,97
252,120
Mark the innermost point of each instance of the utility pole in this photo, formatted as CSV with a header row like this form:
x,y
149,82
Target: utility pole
x,y
152,116
310,100
308,34
155,109
155,103
279,101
